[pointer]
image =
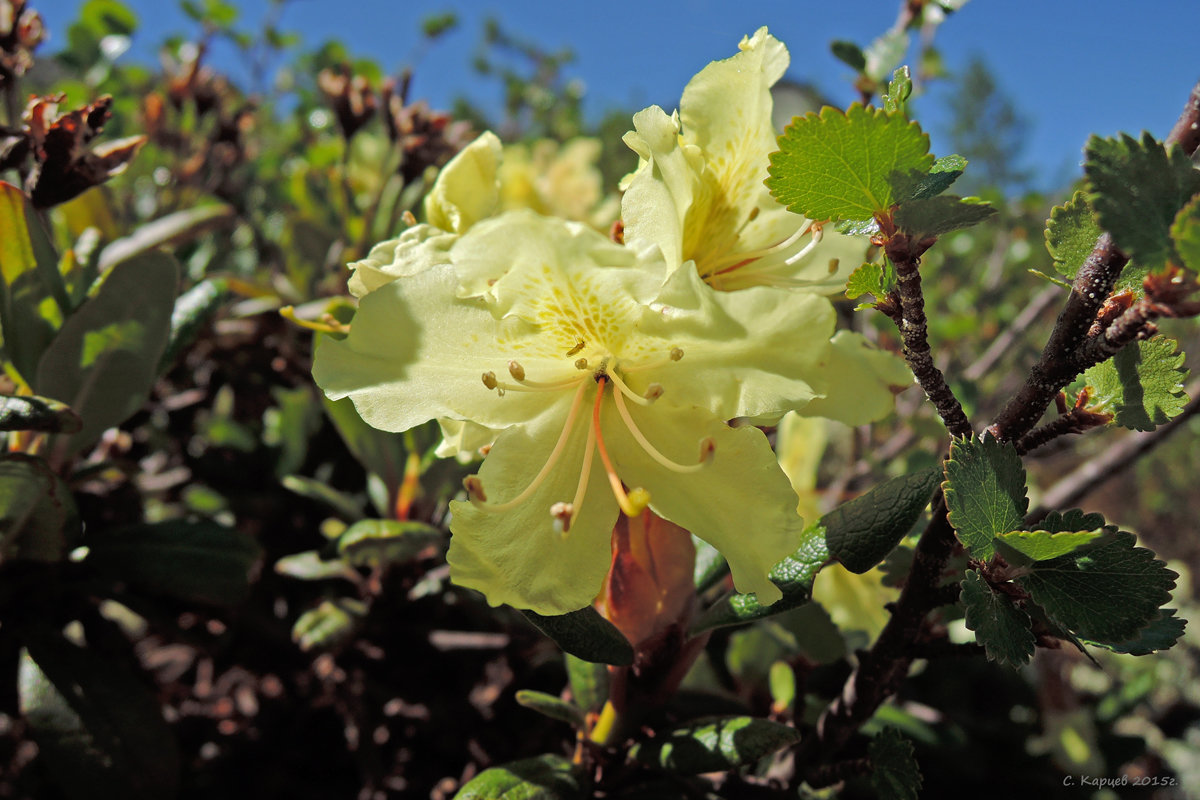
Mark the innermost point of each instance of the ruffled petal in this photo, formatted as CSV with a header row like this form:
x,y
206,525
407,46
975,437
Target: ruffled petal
x,y
416,351
468,187
517,556
417,249
740,502
862,381
755,354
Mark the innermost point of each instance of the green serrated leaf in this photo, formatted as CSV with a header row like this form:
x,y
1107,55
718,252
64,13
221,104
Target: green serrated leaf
x,y
857,227
715,745
1072,520
550,706
329,625
860,533
105,359
383,542
37,414
1185,231
1106,592
1025,547
849,53
872,279
548,777
38,518
836,165
96,723
345,506
1137,189
1002,628
1161,634
585,634
589,682
935,216
894,771
200,562
898,91
1071,234
985,492
794,576
1142,385
944,172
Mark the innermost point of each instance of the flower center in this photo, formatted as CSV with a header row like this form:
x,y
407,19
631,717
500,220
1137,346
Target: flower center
x,y
631,501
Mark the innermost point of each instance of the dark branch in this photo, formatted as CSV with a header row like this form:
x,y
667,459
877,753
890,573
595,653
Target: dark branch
x,y
914,330
1060,361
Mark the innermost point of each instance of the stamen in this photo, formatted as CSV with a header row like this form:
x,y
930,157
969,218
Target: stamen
x,y
489,380
707,445
563,514
676,353
474,486
527,385
585,474
581,363
516,370
631,503
735,260
625,390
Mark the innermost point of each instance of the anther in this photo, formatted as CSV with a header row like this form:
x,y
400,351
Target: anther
x,y
676,353
516,370
563,513
708,448
489,380
581,363
474,488
653,392
578,346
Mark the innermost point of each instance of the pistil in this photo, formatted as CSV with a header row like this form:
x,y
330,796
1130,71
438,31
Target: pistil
x,y
631,503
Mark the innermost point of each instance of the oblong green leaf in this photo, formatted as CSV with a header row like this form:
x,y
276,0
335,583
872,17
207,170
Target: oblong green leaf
x,y
199,562
105,359
548,777
95,722
383,542
860,533
793,575
587,635
28,315
589,682
37,414
715,745
331,624
181,226
192,310
551,706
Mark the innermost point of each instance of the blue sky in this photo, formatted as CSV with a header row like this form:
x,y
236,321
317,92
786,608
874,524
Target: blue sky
x,y
1073,67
